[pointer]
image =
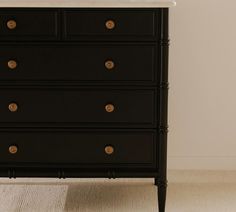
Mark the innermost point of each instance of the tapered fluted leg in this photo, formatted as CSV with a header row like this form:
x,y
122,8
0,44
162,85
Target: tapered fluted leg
x,y
162,187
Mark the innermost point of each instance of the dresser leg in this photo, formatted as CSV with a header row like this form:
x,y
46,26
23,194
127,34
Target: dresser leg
x,y
162,187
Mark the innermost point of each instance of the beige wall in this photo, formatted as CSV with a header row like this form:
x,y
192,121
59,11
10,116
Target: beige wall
x,y
202,103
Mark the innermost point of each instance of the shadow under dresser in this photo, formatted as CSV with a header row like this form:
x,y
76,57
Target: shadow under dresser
x,y
84,93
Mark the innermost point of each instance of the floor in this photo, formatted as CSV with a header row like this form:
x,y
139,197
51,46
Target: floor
x,y
188,191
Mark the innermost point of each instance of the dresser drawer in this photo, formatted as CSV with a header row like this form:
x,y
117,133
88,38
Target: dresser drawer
x,y
19,24
90,106
78,148
91,62
109,24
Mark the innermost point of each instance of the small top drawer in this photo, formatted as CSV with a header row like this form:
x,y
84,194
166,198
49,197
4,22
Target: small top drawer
x,y
109,25
28,24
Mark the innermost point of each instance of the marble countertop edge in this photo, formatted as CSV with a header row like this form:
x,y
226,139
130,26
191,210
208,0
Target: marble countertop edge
x,y
87,4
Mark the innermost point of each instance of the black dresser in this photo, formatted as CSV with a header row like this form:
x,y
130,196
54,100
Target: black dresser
x,y
84,93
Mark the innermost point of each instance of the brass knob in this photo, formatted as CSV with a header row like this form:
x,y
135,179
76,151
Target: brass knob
x,y
110,24
11,24
13,149
109,150
109,64
12,64
109,108
13,107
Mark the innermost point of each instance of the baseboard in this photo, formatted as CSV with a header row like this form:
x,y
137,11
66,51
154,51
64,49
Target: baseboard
x,y
201,176
202,163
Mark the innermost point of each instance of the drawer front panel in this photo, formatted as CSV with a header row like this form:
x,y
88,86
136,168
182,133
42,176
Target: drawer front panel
x,y
109,25
89,106
28,25
78,147
101,63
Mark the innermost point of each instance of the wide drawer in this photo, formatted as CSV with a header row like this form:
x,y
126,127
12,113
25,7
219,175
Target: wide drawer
x,y
94,106
97,148
109,24
92,62
33,24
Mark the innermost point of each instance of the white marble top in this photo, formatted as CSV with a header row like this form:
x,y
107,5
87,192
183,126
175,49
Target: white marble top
x,y
87,3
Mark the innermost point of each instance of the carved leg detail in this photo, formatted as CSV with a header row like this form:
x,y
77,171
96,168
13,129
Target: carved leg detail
x,y
162,187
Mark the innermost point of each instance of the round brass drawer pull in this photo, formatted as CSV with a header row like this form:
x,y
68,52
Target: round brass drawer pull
x,y
11,24
109,64
12,64
110,24
13,149
109,108
13,107
109,150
